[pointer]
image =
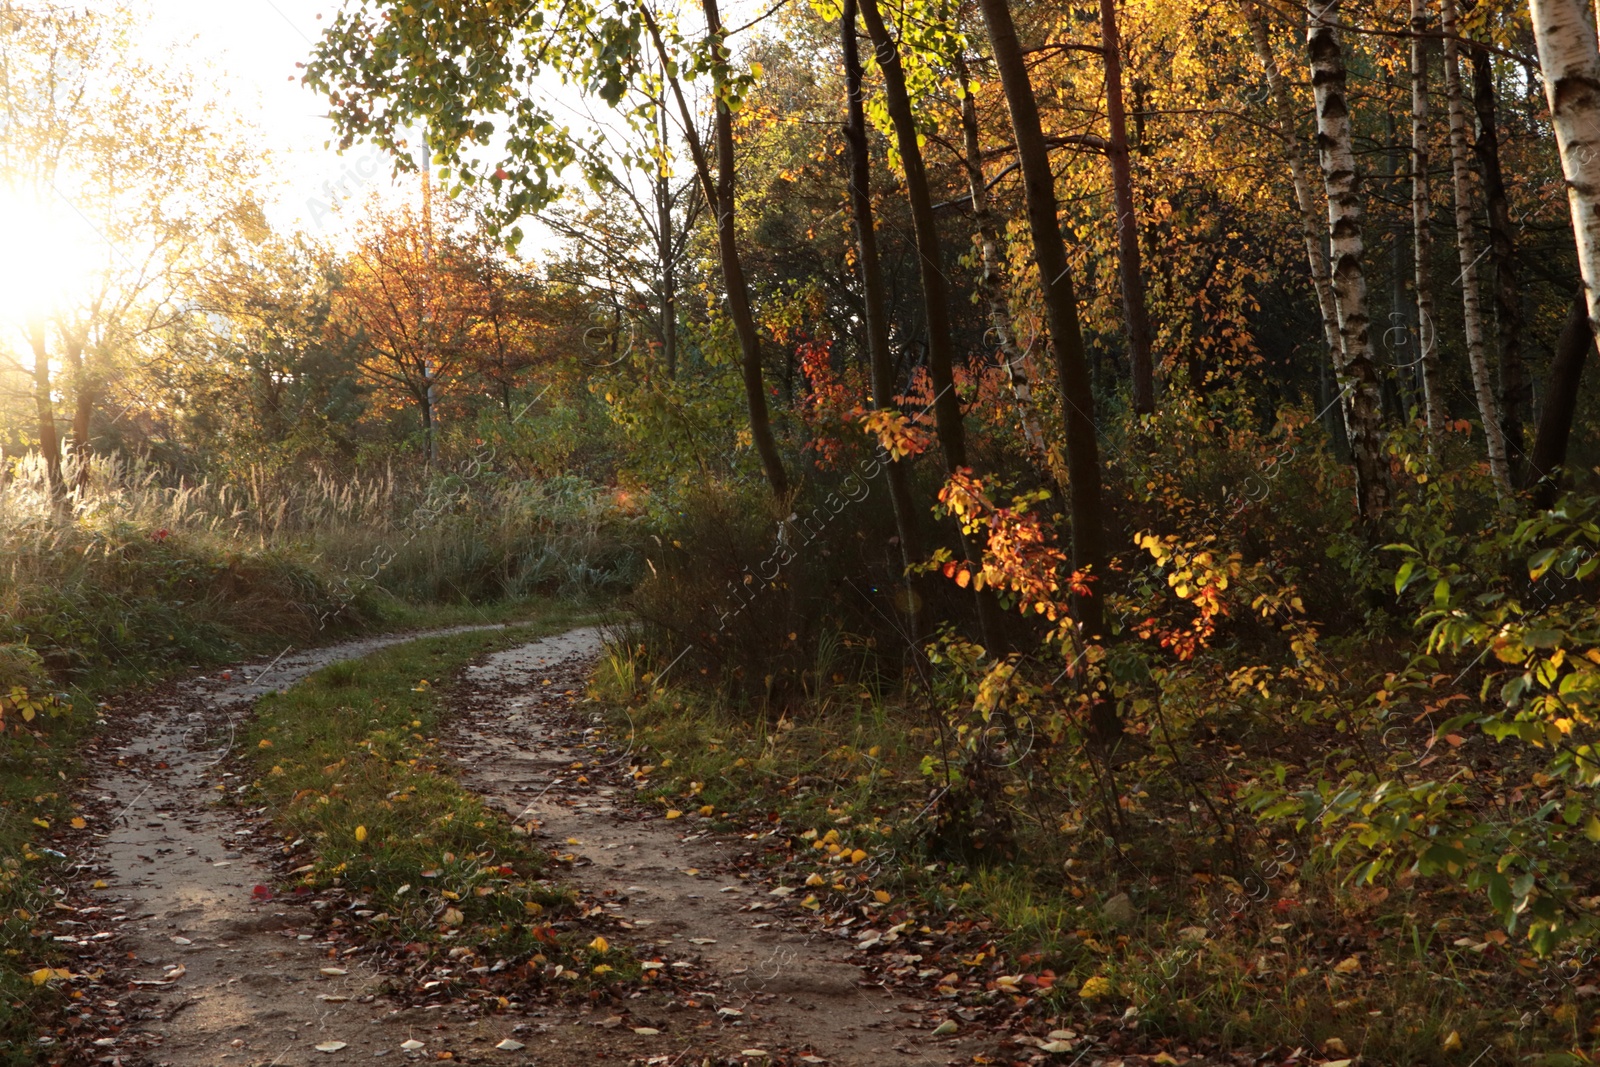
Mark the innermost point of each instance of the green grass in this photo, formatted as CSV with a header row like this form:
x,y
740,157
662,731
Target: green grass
x,y
347,761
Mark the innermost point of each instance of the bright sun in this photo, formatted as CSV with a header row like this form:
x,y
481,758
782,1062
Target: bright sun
x,y
48,254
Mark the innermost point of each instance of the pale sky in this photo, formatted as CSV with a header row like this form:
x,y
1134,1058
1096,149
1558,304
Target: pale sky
x,y
253,46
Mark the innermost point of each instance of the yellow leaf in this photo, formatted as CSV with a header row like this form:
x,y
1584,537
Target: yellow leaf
x,y
708,810
858,855
264,743
532,907
1348,965
361,833
603,968
815,879
881,896
600,944
1097,987
1591,829
1451,1043
45,823
674,813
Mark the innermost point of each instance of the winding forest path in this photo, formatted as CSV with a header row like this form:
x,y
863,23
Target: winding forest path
x,y
219,972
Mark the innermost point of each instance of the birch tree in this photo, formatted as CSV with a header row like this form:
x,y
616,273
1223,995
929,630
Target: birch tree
x,y
1358,377
1421,227
991,280
1283,128
1570,62
1466,246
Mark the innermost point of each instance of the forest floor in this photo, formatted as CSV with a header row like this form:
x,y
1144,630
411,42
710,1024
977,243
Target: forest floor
x,y
190,953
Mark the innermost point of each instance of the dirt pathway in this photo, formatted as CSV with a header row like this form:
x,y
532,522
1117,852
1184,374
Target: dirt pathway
x,y
778,978
220,973
223,973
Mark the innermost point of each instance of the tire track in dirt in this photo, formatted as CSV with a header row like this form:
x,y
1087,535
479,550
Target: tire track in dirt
x,y
781,980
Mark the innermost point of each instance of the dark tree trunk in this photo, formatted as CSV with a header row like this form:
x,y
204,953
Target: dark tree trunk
x,y
1066,335
49,440
744,320
876,305
719,196
935,287
1543,471
84,399
666,252
1131,270
1516,392
930,254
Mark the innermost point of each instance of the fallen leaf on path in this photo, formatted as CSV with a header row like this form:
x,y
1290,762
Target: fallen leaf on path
x,y
334,972
647,1031
947,1027
331,1046
411,1045
510,1045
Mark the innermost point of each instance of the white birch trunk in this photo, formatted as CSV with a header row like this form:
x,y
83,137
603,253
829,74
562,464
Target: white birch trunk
x,y
1357,374
1570,62
1422,234
992,283
1467,246
1305,202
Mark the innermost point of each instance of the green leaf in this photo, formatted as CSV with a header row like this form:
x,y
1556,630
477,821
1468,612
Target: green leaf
x,y
1403,577
1542,638
1499,893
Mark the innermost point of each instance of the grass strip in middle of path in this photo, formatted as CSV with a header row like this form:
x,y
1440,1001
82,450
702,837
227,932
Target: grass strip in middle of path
x,y
348,765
